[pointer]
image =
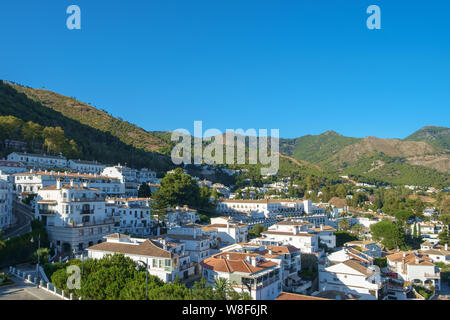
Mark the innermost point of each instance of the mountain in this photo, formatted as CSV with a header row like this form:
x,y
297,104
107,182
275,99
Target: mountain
x,y
421,159
315,148
436,136
86,125
95,118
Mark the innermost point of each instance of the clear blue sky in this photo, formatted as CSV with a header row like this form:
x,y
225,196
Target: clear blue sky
x,y
301,66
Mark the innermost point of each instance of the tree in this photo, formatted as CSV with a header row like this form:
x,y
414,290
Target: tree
x,y
403,216
415,231
390,234
144,191
256,230
341,191
357,229
444,236
344,224
42,254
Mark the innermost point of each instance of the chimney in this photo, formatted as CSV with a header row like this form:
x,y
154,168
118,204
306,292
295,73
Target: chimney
x,y
254,261
164,244
228,256
71,183
58,184
321,227
446,247
270,251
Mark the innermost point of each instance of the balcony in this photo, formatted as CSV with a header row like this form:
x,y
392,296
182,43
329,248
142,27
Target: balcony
x,y
432,275
87,211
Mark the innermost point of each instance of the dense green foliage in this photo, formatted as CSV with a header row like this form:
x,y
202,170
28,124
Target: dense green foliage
x,y
97,142
180,189
343,236
256,230
20,249
436,136
315,148
144,191
116,277
389,233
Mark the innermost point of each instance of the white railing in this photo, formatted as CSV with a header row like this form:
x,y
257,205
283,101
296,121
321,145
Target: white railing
x,y
43,284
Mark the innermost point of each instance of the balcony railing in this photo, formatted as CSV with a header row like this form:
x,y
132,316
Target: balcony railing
x,y
87,211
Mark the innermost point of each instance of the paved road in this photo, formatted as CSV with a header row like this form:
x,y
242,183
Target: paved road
x,y
21,290
24,217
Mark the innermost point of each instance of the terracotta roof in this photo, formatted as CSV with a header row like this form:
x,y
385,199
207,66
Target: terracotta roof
x,y
236,263
293,223
356,265
220,225
436,252
325,228
116,235
146,248
283,233
68,186
359,243
295,296
411,258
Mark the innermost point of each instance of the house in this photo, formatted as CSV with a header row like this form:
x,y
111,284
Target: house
x,y
146,175
288,257
370,248
268,207
353,277
415,267
38,160
33,181
74,215
132,215
438,254
181,216
84,166
292,233
326,235
6,199
126,175
196,244
11,167
246,272
166,260
226,231
348,253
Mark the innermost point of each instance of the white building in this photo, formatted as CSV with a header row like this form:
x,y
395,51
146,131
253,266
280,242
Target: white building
x,y
11,167
38,160
288,257
146,175
132,215
196,244
74,215
126,175
166,260
297,234
415,267
352,277
246,272
32,182
370,248
226,231
6,199
84,166
181,216
269,207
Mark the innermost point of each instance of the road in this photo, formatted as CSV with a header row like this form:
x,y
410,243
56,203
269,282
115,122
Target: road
x,y
21,290
24,216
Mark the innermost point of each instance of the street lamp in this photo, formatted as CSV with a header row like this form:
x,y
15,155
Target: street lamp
x,y
37,266
146,277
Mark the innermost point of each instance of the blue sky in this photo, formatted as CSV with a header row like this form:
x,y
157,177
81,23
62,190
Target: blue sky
x,y
303,66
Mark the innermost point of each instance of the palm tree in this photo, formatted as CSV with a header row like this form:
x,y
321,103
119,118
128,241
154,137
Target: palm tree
x,y
222,288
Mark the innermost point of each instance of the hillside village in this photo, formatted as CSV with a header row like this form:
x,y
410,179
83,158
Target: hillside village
x,y
273,237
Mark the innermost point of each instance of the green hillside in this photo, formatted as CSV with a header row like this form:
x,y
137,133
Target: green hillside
x,y
315,148
436,136
94,143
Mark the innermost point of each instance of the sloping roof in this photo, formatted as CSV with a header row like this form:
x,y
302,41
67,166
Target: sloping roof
x,y
146,248
356,265
285,233
410,258
230,262
295,296
116,235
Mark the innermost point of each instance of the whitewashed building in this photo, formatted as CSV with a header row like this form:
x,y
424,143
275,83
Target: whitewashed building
x,y
226,231
74,215
6,199
84,166
353,277
127,176
38,160
166,260
33,181
246,272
